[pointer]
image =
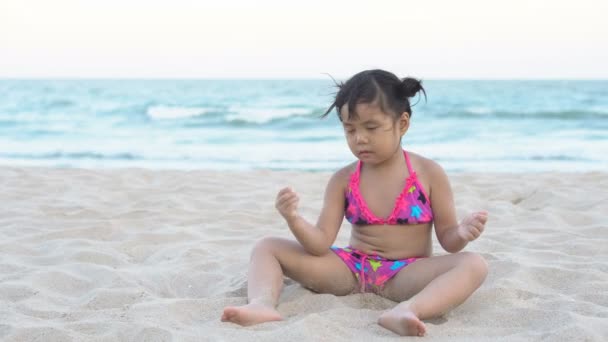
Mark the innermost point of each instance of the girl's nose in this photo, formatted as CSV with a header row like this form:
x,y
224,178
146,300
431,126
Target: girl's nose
x,y
360,138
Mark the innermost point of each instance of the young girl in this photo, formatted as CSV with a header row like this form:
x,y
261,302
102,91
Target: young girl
x,y
392,198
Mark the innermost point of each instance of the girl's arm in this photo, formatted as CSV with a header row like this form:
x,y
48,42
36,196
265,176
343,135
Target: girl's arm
x,y
452,236
316,239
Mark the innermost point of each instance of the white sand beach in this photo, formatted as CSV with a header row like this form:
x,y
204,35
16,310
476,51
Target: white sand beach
x,y
141,255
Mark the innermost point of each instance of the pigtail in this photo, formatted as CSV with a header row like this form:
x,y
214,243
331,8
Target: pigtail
x,y
410,86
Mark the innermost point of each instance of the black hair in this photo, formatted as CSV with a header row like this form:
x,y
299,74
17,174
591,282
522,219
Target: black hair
x,y
376,86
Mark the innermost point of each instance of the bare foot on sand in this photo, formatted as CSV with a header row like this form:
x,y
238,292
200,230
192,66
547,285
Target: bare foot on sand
x,y
250,314
402,322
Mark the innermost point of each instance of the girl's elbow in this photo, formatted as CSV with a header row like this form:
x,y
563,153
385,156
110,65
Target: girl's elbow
x,y
451,248
320,250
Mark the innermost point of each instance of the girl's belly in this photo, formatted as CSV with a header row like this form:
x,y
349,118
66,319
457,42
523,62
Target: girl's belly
x,y
393,242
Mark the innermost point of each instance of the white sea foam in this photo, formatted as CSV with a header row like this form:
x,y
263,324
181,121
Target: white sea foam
x,y
263,115
172,113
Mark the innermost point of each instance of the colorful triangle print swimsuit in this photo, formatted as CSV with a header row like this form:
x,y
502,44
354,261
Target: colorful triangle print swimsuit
x,y
412,206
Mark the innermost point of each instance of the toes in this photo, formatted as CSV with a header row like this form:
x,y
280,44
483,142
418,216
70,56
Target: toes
x,y
229,314
421,329
401,324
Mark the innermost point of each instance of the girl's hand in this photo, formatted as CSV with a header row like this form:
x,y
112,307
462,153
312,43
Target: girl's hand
x,y
287,203
472,226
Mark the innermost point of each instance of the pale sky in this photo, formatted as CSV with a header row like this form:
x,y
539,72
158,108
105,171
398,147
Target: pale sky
x,y
430,39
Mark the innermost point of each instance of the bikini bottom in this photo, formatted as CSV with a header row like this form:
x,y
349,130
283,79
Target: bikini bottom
x,y
372,271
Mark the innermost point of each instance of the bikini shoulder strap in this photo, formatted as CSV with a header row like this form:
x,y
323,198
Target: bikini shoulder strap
x,y
409,165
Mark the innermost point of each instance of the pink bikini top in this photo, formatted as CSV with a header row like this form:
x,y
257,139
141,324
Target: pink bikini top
x,y
412,206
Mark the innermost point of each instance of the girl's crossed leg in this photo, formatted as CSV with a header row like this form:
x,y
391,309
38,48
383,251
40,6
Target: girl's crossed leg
x,y
430,287
271,259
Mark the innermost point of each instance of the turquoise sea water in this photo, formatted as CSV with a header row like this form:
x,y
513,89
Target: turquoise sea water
x,y
505,126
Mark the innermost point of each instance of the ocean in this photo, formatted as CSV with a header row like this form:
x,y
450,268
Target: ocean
x,y
466,126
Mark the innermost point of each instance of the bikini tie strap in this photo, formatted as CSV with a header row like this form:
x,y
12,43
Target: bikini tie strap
x,y
362,272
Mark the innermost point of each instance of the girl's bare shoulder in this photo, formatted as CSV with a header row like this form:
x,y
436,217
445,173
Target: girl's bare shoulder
x,y
339,180
343,174
425,168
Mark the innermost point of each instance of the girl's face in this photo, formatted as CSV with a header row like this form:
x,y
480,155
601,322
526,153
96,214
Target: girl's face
x,y
374,136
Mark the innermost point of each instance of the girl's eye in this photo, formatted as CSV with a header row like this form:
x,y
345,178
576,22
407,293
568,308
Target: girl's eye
x,y
371,128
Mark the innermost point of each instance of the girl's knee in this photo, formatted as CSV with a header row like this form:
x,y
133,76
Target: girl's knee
x,y
264,244
476,264
267,244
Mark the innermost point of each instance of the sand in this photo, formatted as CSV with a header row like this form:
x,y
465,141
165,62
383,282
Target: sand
x,y
141,255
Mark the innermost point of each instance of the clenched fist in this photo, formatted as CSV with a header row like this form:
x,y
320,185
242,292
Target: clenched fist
x,y
472,226
287,203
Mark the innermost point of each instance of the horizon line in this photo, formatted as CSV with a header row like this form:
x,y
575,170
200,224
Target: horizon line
x,y
128,78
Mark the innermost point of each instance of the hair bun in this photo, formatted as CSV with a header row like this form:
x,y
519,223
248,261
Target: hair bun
x,y
409,87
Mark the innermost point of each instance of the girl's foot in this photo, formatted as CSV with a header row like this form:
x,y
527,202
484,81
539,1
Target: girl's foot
x,y
250,314
402,322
